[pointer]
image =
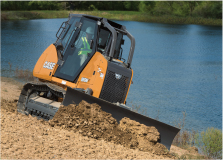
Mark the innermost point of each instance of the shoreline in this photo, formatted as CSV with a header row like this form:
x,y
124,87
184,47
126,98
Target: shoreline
x,y
113,15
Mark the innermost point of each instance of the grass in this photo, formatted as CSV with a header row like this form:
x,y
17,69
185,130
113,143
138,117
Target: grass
x,y
21,74
114,15
210,142
11,81
184,138
25,75
138,109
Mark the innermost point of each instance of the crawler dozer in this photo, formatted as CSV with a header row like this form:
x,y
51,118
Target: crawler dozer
x,y
86,63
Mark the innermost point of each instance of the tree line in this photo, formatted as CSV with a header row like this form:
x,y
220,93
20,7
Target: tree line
x,y
205,9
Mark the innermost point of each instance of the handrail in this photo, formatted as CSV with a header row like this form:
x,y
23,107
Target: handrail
x,y
66,23
114,36
132,48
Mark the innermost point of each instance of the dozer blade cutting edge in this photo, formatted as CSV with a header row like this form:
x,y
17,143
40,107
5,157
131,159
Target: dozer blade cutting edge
x,y
167,132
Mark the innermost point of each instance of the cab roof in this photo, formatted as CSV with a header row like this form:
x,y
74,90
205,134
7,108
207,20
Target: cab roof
x,y
112,23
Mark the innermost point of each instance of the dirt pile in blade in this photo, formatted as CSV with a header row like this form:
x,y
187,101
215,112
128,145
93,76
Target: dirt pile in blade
x,y
89,120
146,137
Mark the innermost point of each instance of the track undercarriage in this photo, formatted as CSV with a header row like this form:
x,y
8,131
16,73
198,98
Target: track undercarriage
x,y
40,100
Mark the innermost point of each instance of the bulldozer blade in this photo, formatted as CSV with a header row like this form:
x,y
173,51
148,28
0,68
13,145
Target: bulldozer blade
x,y
167,132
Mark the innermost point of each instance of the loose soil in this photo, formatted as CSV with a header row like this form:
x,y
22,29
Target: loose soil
x,y
80,131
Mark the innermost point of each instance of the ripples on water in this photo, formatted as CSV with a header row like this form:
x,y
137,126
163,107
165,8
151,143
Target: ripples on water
x,y
176,68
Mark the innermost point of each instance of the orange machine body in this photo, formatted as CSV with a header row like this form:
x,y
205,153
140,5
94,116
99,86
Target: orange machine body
x,y
94,72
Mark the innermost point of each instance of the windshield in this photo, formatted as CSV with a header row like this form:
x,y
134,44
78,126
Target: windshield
x,y
79,50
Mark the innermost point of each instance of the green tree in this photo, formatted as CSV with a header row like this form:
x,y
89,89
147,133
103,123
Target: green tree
x,y
191,6
164,8
131,5
30,5
48,5
210,142
147,6
170,5
14,5
209,9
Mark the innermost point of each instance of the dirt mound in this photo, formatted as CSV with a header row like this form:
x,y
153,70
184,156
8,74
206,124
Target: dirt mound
x,y
89,120
147,137
25,137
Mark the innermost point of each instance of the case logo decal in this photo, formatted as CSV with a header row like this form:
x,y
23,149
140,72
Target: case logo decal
x,y
84,79
49,65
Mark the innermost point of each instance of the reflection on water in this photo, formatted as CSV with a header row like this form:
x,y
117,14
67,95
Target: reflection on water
x,y
176,67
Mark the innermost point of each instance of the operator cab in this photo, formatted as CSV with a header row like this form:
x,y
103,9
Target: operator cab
x,y
75,48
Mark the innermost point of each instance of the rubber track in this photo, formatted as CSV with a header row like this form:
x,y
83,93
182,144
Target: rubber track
x,y
41,87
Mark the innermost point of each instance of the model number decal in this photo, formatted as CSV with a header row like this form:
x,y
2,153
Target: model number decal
x,y
49,65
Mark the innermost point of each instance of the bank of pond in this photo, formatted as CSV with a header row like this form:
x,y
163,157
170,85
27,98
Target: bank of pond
x,y
114,15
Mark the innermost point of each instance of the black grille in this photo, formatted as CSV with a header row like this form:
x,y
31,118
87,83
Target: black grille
x,y
114,89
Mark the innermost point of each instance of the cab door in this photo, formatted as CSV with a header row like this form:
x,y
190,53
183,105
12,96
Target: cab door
x,y
73,62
